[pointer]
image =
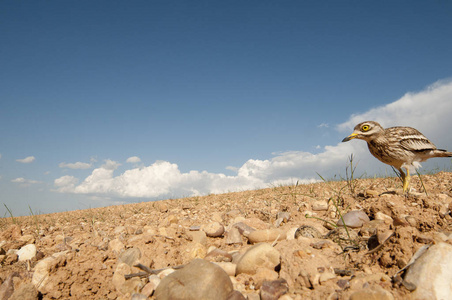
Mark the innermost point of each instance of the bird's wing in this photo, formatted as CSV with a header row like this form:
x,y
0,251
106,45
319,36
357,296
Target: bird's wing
x,y
411,139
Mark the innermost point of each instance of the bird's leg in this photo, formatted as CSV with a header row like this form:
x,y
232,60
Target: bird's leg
x,y
406,180
403,177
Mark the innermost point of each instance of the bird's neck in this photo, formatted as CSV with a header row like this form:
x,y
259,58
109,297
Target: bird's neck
x,y
378,138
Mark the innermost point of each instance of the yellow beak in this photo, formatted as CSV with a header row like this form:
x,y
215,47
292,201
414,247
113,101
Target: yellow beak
x,y
350,137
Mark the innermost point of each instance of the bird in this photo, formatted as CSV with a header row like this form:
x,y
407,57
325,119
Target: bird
x,y
400,147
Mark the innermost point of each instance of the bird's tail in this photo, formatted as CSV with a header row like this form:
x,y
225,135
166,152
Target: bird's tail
x,y
442,153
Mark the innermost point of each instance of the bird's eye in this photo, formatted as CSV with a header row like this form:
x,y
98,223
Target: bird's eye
x,y
365,128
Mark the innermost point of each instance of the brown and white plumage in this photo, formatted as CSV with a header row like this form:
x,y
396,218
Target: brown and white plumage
x,y
400,147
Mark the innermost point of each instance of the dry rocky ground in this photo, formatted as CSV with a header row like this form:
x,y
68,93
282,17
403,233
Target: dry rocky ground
x,y
278,242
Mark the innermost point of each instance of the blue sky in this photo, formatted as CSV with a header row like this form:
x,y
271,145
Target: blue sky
x,y
209,96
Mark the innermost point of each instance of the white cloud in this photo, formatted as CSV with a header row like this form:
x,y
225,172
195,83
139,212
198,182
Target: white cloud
x,y
65,184
133,160
427,110
232,168
26,160
323,125
18,180
24,181
76,165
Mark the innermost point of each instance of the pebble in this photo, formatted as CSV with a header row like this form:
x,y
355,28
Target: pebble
x,y
412,221
233,237
130,256
431,273
199,279
383,217
116,246
354,219
217,216
343,283
284,215
118,276
244,229
259,255
228,267
218,255
150,287
162,207
272,290
213,229
266,235
424,239
320,205
137,296
264,274
197,251
370,228
27,252
376,293
371,193
325,276
27,238
198,237
399,221
119,229
131,286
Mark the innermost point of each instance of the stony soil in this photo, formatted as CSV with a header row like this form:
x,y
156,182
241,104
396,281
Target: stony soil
x,y
89,243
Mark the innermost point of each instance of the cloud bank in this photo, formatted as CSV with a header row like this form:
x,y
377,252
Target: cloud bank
x,y
428,110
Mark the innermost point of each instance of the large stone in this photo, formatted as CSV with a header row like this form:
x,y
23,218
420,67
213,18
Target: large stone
x,y
26,291
42,272
199,279
27,252
431,273
7,287
257,256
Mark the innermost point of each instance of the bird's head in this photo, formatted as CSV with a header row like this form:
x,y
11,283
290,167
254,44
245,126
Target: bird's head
x,y
365,131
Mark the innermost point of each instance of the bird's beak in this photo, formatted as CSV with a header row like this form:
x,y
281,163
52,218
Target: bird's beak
x,y
350,137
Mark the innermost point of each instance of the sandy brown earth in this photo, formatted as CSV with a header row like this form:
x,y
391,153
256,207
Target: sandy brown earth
x,y
87,240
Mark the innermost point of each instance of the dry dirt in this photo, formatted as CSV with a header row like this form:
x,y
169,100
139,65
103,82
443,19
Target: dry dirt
x,y
161,231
